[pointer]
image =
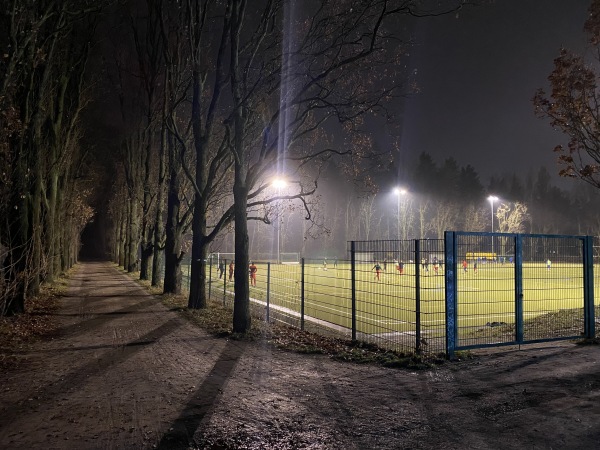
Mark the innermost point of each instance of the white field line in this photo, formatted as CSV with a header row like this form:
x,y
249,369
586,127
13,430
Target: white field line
x,y
467,289
324,323
390,322
297,315
491,316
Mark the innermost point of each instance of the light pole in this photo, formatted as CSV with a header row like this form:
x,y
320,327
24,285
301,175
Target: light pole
x,y
492,199
399,193
279,183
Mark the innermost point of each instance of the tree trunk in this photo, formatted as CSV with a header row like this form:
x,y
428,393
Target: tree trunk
x,y
172,283
146,262
174,232
33,288
133,237
241,306
197,297
146,230
51,224
18,246
159,226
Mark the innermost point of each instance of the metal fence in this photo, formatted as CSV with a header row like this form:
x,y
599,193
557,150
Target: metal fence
x,y
379,295
504,289
469,290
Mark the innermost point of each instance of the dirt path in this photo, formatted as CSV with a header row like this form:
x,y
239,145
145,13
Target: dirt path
x,y
126,373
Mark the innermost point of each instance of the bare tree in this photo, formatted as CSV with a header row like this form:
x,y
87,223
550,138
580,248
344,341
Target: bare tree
x,y
445,217
289,80
351,225
424,224
512,218
366,216
475,218
45,46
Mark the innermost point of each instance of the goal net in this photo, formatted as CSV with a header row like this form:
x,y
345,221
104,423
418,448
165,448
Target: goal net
x,y
216,258
290,258
364,257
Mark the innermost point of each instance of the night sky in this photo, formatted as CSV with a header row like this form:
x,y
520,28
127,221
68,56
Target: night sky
x,y
477,74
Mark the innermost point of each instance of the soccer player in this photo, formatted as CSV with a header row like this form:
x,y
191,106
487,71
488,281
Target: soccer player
x,y
400,267
465,265
253,270
377,269
231,271
475,267
221,269
549,264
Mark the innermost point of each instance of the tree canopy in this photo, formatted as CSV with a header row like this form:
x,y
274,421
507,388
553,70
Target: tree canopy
x,y
573,105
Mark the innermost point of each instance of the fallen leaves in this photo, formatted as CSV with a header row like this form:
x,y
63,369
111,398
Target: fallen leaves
x,y
20,331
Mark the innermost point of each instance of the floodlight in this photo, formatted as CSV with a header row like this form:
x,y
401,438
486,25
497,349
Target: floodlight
x,y
279,183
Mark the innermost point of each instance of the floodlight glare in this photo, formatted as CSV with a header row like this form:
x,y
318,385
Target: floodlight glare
x,y
279,183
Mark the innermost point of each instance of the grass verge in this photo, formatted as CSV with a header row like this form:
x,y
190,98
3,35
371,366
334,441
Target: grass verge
x,y
217,320
553,324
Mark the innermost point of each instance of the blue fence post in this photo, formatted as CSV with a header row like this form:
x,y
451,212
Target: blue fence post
x,y
450,274
268,289
588,287
518,288
302,267
417,296
353,286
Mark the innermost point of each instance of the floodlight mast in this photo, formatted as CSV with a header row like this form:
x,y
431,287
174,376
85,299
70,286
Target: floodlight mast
x,y
492,199
399,193
279,184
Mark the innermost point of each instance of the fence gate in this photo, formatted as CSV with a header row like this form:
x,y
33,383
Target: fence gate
x,y
504,289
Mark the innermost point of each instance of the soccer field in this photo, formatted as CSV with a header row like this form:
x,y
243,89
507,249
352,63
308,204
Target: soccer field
x,y
388,306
